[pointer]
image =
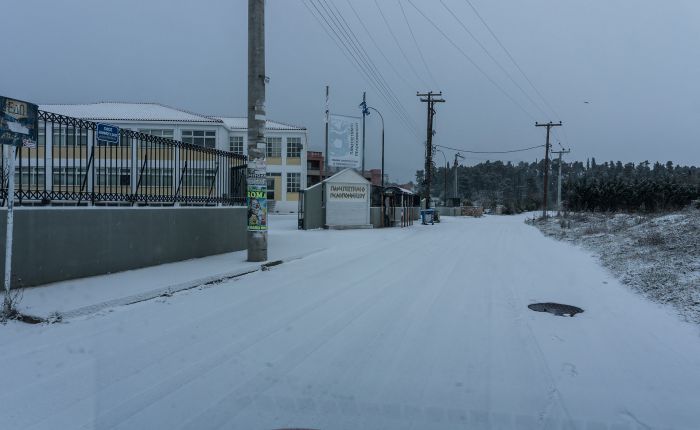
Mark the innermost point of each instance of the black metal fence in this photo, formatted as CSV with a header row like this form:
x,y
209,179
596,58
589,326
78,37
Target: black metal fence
x,y
70,166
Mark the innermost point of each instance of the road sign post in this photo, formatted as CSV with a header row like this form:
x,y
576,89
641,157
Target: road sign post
x,y
18,126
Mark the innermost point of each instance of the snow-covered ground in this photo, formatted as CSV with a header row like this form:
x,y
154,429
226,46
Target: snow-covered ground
x,y
418,328
656,255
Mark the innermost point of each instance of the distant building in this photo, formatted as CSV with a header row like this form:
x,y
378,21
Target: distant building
x,y
314,167
374,176
286,144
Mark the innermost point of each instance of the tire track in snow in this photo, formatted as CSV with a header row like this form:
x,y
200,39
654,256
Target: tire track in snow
x,y
145,349
211,361
518,305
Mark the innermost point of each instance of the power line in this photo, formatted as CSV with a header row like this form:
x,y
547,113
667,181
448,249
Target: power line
x,y
488,53
490,152
420,53
396,40
512,59
476,66
359,64
376,45
385,85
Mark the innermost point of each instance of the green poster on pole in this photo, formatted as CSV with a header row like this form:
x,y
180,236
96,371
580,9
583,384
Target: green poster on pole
x,y
257,207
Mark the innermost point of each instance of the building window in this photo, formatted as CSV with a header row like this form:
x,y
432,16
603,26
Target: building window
x,y
113,176
274,146
293,182
271,185
68,136
294,147
165,133
236,144
205,138
156,177
31,177
68,176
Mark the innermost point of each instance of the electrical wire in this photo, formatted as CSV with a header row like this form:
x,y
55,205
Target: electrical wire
x,y
483,21
490,152
495,61
517,66
396,40
473,63
415,42
376,45
351,53
353,38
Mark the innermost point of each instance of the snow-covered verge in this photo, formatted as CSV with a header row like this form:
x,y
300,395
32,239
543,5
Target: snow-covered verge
x,y
656,255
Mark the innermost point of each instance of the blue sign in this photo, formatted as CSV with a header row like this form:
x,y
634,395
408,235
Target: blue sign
x,y
18,122
108,133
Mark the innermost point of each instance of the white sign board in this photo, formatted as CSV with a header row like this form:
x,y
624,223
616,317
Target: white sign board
x,y
347,192
344,146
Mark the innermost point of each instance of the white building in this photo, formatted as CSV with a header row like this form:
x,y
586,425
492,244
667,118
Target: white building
x,y
286,144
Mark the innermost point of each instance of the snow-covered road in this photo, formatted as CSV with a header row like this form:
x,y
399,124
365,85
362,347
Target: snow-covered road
x,y
417,328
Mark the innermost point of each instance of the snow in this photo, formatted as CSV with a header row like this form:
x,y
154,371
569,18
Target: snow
x,y
241,123
425,327
657,255
117,111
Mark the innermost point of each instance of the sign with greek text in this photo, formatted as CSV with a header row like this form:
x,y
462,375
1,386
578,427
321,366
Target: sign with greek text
x,y
347,192
18,122
344,145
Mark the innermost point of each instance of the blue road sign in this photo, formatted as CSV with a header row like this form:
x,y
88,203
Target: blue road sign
x,y
108,133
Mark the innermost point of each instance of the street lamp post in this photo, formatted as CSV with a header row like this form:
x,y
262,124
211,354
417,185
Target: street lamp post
x,y
365,111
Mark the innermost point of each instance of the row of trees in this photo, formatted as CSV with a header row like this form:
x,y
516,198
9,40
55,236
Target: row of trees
x,y
609,186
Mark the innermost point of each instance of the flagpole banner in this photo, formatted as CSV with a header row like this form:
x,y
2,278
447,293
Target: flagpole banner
x,y
344,146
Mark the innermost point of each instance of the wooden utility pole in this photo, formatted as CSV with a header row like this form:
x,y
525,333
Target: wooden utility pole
x,y
430,98
549,126
257,149
563,151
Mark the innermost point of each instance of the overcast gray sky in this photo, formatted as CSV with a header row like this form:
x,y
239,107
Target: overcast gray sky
x,y
636,62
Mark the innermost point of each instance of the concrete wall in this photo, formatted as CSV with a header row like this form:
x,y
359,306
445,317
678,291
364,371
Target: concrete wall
x,y
54,244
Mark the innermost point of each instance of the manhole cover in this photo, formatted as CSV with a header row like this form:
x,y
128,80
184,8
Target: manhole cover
x,y
556,309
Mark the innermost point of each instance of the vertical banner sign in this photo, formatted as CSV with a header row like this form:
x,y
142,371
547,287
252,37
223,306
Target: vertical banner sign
x,y
344,146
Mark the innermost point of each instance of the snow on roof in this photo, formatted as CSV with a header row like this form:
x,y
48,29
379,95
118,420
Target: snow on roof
x,y
241,123
118,111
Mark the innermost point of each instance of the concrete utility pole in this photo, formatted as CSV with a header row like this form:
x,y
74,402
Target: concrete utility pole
x,y
456,191
549,126
430,98
257,147
563,151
